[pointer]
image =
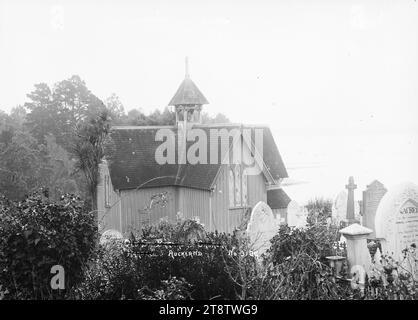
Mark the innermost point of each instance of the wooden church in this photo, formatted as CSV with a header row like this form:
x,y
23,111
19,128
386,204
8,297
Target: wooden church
x,y
135,189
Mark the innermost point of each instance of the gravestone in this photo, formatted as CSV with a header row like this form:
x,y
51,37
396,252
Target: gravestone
x,y
396,221
296,216
110,235
339,208
261,228
371,199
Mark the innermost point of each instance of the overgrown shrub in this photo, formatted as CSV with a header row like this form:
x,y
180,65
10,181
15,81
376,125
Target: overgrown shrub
x,y
177,257
201,262
36,234
295,266
111,274
389,279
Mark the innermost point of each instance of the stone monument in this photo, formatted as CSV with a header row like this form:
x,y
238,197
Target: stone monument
x,y
261,228
396,221
371,199
351,217
296,216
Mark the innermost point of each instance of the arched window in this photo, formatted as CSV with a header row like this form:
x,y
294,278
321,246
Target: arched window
x,y
238,186
244,187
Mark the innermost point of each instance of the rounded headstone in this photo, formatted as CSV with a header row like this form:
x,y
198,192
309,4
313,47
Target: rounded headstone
x,y
110,235
296,216
261,227
396,221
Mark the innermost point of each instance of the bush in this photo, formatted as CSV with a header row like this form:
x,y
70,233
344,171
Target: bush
x,y
36,234
393,280
111,274
295,266
179,259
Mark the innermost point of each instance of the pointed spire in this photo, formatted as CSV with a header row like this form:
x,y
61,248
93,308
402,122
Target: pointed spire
x,y
188,93
186,61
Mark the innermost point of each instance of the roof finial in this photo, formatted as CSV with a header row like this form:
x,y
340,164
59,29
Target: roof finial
x,y
187,67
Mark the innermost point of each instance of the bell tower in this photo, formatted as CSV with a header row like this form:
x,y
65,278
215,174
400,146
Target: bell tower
x,y
188,101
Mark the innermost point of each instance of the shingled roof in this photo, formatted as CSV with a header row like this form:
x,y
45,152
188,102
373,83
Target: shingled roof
x,y
277,199
188,94
132,163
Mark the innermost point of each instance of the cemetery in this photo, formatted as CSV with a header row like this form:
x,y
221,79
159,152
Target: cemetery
x,y
343,249
154,230
196,151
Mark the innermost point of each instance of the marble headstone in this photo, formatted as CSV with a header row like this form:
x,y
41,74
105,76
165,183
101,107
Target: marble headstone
x,y
396,221
261,227
339,208
296,216
110,235
371,199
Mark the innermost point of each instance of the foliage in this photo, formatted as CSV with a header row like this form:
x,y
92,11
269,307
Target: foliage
x,y
162,257
60,109
62,178
36,234
89,147
319,209
172,261
389,279
218,118
317,240
295,266
111,274
23,164
171,289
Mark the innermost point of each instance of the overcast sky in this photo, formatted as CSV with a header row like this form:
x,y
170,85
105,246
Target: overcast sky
x,y
345,72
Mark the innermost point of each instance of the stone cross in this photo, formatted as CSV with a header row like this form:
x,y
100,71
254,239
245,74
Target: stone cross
x,y
350,201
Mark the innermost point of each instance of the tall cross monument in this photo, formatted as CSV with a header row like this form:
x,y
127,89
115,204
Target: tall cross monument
x,y
350,201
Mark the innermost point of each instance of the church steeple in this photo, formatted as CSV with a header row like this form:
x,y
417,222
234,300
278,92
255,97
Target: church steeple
x,y
186,62
188,100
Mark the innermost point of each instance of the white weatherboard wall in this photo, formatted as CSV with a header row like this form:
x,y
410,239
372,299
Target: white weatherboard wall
x,y
109,217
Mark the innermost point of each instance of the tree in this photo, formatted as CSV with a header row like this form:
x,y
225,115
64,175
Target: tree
x,y
319,209
89,147
60,110
18,117
23,164
219,118
136,117
116,108
42,118
63,178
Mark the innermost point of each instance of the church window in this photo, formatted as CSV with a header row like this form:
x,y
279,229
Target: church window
x,y
244,188
238,187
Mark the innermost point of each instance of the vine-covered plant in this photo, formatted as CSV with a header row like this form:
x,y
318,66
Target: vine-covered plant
x,y
36,234
168,256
